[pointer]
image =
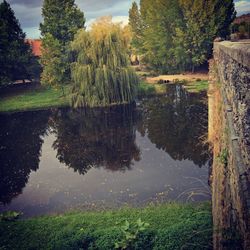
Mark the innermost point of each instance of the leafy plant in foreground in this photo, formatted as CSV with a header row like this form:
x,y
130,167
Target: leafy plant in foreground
x,y
130,233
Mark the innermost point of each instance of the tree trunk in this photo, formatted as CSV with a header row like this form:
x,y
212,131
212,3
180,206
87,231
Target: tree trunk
x,y
193,68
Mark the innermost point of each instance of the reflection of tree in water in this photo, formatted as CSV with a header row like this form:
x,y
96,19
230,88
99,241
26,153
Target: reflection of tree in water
x,y
20,136
176,124
95,138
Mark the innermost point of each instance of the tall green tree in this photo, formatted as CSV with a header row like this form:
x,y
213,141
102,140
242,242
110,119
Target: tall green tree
x,y
101,73
53,61
15,53
196,36
62,19
136,25
225,13
160,18
203,21
177,35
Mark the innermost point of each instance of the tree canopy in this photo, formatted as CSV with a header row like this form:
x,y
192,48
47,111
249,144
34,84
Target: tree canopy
x,y
177,35
203,21
136,24
62,19
15,53
101,73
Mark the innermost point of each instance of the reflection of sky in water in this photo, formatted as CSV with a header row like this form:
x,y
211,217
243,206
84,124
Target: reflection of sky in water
x,y
144,172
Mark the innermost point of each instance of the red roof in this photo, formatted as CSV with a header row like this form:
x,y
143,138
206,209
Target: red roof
x,y
242,18
36,46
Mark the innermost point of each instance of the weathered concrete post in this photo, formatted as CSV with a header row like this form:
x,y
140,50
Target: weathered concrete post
x,y
231,167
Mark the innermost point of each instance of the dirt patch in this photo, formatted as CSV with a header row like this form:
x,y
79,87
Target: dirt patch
x,y
170,78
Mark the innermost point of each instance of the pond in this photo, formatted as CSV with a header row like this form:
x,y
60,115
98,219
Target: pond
x,y
61,159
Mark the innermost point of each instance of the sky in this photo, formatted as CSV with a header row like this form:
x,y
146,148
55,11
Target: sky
x,y
28,12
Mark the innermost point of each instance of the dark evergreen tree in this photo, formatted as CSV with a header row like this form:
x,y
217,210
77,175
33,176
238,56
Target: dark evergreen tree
x,y
136,25
62,19
203,21
160,19
225,13
15,53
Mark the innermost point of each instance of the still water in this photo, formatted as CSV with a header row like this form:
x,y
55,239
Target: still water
x,y
57,160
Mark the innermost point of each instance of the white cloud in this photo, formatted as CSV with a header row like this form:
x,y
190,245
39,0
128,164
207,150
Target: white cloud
x,y
89,22
120,19
32,32
116,19
242,7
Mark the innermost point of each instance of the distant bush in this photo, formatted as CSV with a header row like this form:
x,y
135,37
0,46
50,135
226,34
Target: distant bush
x,y
160,81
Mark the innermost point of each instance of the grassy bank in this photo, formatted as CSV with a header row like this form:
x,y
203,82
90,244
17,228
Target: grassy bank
x,y
196,86
40,98
148,89
43,98
171,226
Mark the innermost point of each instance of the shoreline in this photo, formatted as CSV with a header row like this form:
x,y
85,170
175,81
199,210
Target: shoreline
x,y
44,98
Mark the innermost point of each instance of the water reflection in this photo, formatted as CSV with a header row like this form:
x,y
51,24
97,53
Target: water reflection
x,y
177,124
152,151
21,141
96,137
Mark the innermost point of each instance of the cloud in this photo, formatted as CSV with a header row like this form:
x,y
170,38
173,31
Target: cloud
x,y
28,17
242,7
120,19
99,8
27,3
116,19
32,32
28,12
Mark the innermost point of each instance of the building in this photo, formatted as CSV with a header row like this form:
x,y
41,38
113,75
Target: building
x,y
242,19
36,45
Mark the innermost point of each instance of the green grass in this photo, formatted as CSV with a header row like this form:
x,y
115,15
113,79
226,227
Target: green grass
x,y
197,86
171,226
41,98
147,89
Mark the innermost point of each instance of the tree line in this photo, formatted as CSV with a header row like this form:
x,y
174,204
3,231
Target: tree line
x,y
169,35
94,62
177,35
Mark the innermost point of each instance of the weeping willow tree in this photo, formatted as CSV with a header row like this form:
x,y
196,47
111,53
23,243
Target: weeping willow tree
x,y
100,72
